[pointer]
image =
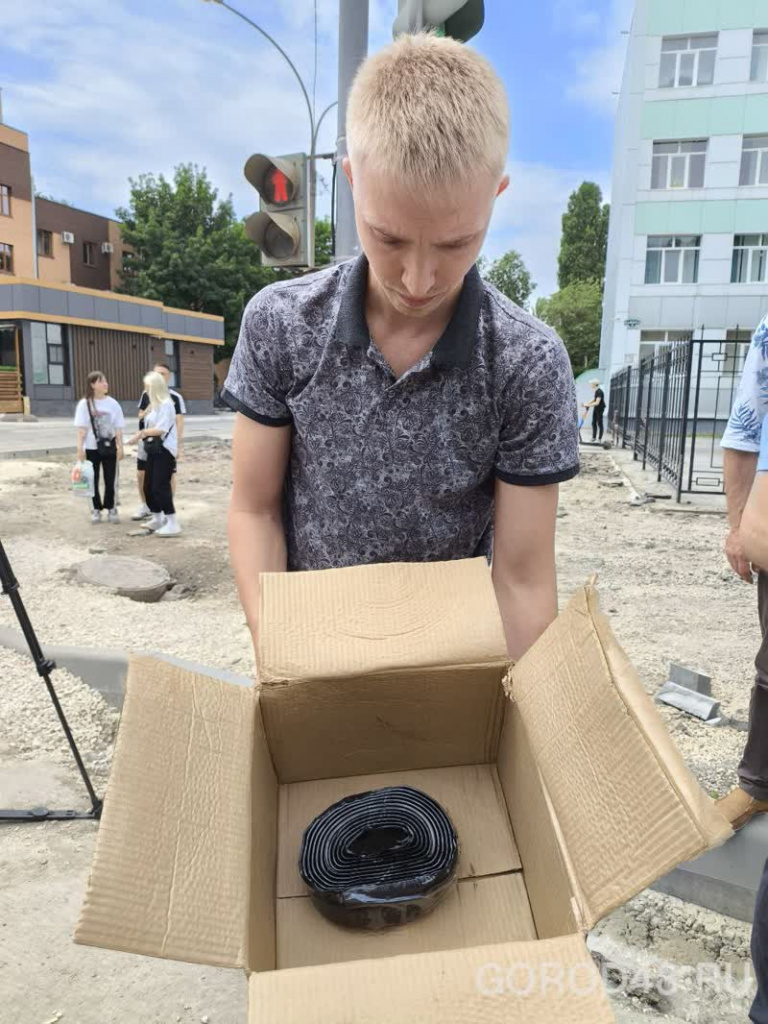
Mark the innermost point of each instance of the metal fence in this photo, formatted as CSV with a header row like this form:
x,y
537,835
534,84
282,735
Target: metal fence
x,y
673,408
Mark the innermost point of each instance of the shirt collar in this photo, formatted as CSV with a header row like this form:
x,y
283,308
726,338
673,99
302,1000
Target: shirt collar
x,y
454,346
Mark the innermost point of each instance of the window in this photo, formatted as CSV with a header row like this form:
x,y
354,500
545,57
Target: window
x,y
6,258
5,200
89,254
687,60
652,341
754,160
750,258
172,358
679,164
672,259
44,242
49,354
759,71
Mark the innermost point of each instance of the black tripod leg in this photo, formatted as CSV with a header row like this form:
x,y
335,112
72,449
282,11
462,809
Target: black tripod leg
x,y
44,667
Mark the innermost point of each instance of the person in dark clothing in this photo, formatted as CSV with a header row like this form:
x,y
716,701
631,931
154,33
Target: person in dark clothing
x,y
597,405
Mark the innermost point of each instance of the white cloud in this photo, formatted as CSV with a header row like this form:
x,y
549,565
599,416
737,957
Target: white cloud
x,y
599,69
528,217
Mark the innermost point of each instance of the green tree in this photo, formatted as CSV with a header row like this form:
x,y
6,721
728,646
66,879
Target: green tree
x,y
575,313
585,237
187,249
510,275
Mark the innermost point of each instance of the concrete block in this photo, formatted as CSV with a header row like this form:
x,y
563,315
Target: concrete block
x,y
726,879
690,677
697,704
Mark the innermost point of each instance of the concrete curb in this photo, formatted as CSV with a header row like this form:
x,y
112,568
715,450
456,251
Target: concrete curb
x,y
105,670
39,453
726,879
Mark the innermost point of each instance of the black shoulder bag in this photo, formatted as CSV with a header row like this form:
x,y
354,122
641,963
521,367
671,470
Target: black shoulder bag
x,y
153,446
105,446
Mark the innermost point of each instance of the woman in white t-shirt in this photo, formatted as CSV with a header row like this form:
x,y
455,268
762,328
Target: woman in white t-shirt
x,y
161,445
100,421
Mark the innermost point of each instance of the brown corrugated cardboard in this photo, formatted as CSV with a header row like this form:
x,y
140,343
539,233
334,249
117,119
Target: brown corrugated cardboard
x,y
548,982
565,770
476,912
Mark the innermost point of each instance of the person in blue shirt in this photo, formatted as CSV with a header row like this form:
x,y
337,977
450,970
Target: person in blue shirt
x,y
741,448
754,544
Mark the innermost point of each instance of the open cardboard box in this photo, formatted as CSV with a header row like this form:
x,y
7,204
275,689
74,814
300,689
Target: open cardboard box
x,y
565,788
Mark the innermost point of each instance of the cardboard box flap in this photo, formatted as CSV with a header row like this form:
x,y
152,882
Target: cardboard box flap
x,y
171,871
626,805
509,983
377,618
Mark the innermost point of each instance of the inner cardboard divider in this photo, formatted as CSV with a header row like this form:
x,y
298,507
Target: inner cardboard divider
x,y
488,903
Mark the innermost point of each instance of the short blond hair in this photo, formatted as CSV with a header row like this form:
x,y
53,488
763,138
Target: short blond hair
x,y
428,110
156,388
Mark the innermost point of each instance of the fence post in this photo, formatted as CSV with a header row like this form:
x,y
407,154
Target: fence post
x,y
684,431
696,412
664,406
625,411
648,411
638,410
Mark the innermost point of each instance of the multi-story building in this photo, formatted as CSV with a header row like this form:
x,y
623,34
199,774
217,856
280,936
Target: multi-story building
x,y
688,241
60,316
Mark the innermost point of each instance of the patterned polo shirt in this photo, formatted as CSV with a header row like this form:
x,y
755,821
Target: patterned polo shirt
x,y
386,469
750,406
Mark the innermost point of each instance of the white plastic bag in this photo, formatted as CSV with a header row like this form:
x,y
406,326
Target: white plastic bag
x,y
82,479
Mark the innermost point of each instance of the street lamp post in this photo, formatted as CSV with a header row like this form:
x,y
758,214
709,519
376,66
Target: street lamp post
x,y
314,125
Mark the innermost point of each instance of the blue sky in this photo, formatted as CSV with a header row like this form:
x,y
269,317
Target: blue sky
x,y
107,91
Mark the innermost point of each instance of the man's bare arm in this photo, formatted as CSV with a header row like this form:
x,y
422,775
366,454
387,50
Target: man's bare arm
x,y
754,523
524,562
255,524
739,469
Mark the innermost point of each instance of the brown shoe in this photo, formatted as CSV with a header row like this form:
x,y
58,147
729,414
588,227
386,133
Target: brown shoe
x,y
739,807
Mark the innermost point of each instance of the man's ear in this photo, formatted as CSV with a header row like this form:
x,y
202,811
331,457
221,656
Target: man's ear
x,y
503,185
347,168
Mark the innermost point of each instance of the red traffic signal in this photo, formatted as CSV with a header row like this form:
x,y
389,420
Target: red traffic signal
x,y
278,187
280,228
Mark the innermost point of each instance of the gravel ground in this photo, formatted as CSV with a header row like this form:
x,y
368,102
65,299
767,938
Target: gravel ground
x,y
663,581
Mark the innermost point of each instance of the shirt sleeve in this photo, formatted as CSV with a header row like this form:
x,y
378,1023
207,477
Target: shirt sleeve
x,y
181,408
539,440
750,406
81,415
143,401
762,459
260,376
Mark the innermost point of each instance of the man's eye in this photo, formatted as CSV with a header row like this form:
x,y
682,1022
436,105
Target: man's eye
x,y
389,241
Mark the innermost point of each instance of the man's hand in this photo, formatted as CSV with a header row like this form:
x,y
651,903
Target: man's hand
x,y
735,555
120,453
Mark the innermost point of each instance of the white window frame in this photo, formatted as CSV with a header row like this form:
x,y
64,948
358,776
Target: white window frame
x,y
676,253
659,341
759,54
761,165
751,258
675,158
681,50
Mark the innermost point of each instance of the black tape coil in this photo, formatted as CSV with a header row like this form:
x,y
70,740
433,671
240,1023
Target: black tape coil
x,y
380,858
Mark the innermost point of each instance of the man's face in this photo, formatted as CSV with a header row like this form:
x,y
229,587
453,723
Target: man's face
x,y
163,373
420,247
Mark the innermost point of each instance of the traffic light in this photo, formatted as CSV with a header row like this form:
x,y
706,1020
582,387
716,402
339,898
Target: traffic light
x,y
280,228
459,19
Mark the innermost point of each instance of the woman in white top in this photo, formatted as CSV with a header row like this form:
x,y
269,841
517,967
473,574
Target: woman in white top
x,y
161,445
100,421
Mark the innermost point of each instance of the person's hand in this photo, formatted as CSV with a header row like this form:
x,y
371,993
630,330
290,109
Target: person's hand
x,y
135,439
119,453
734,552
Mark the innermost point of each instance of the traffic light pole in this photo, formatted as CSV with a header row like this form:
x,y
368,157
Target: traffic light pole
x,y
353,49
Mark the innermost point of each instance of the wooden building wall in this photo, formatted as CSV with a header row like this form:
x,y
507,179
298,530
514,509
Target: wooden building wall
x,y
196,366
123,356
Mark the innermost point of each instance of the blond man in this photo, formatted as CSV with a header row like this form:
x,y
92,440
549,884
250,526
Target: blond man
x,y
395,407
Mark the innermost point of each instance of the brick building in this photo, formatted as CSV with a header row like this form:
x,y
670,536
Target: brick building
x,y
60,316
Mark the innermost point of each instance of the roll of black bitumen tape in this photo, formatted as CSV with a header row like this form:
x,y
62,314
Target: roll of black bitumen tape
x,y
381,858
